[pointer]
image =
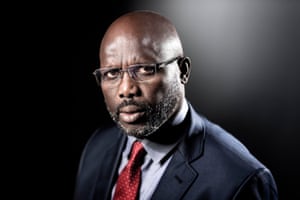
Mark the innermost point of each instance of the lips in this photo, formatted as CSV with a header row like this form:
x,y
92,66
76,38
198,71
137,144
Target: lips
x,y
131,114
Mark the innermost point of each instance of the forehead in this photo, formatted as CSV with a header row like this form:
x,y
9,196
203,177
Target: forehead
x,y
130,50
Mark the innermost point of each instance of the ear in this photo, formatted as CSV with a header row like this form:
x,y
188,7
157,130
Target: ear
x,y
184,64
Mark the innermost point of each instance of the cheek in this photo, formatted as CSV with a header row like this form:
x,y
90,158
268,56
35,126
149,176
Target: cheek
x,y
154,91
110,98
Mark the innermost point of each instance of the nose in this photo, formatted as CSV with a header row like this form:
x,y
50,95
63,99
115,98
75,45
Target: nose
x,y
128,88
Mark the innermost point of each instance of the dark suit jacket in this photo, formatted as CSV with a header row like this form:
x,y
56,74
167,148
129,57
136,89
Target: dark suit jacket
x,y
208,164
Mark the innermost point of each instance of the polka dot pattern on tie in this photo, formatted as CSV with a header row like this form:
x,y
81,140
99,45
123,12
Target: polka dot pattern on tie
x,y
129,179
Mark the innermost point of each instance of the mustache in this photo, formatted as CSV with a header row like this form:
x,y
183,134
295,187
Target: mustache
x,y
142,106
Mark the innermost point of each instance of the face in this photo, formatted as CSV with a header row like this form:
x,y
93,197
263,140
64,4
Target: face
x,y
140,108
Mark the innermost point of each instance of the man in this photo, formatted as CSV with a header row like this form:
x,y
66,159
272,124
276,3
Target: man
x,y
183,155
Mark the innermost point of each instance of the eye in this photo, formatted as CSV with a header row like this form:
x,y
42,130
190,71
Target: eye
x,y
145,70
111,73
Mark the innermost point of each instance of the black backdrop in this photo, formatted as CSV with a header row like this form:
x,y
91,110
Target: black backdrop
x,y
261,109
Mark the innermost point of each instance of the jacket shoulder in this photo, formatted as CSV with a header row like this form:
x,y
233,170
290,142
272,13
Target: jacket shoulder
x,y
222,143
101,139
225,160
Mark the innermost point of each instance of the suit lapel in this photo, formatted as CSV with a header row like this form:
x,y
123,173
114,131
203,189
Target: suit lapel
x,y
176,180
180,175
115,164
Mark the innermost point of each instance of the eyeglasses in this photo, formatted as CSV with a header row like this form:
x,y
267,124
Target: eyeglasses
x,y
137,72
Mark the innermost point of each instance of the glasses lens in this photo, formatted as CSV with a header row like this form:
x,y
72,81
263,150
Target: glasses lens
x,y
111,74
143,72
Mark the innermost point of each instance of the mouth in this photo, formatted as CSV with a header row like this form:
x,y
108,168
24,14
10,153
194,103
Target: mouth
x,y
131,114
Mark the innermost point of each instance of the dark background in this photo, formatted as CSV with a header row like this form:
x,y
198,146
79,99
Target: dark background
x,y
245,74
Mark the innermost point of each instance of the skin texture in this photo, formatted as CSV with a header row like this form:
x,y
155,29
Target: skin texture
x,y
143,37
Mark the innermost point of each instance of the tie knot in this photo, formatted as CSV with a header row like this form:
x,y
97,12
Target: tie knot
x,y
137,152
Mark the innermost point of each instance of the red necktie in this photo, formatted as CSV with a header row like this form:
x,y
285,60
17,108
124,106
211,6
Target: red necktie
x,y
129,179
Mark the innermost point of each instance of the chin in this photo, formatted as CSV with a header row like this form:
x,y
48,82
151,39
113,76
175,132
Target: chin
x,y
138,131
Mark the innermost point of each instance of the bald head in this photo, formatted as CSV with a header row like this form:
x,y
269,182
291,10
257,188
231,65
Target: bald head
x,y
139,36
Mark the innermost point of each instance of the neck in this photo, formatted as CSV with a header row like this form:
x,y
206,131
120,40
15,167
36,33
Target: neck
x,y
173,129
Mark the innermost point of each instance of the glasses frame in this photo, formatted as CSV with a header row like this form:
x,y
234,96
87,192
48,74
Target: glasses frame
x,y
98,73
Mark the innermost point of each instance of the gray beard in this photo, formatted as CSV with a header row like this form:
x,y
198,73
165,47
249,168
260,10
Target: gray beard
x,y
157,114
